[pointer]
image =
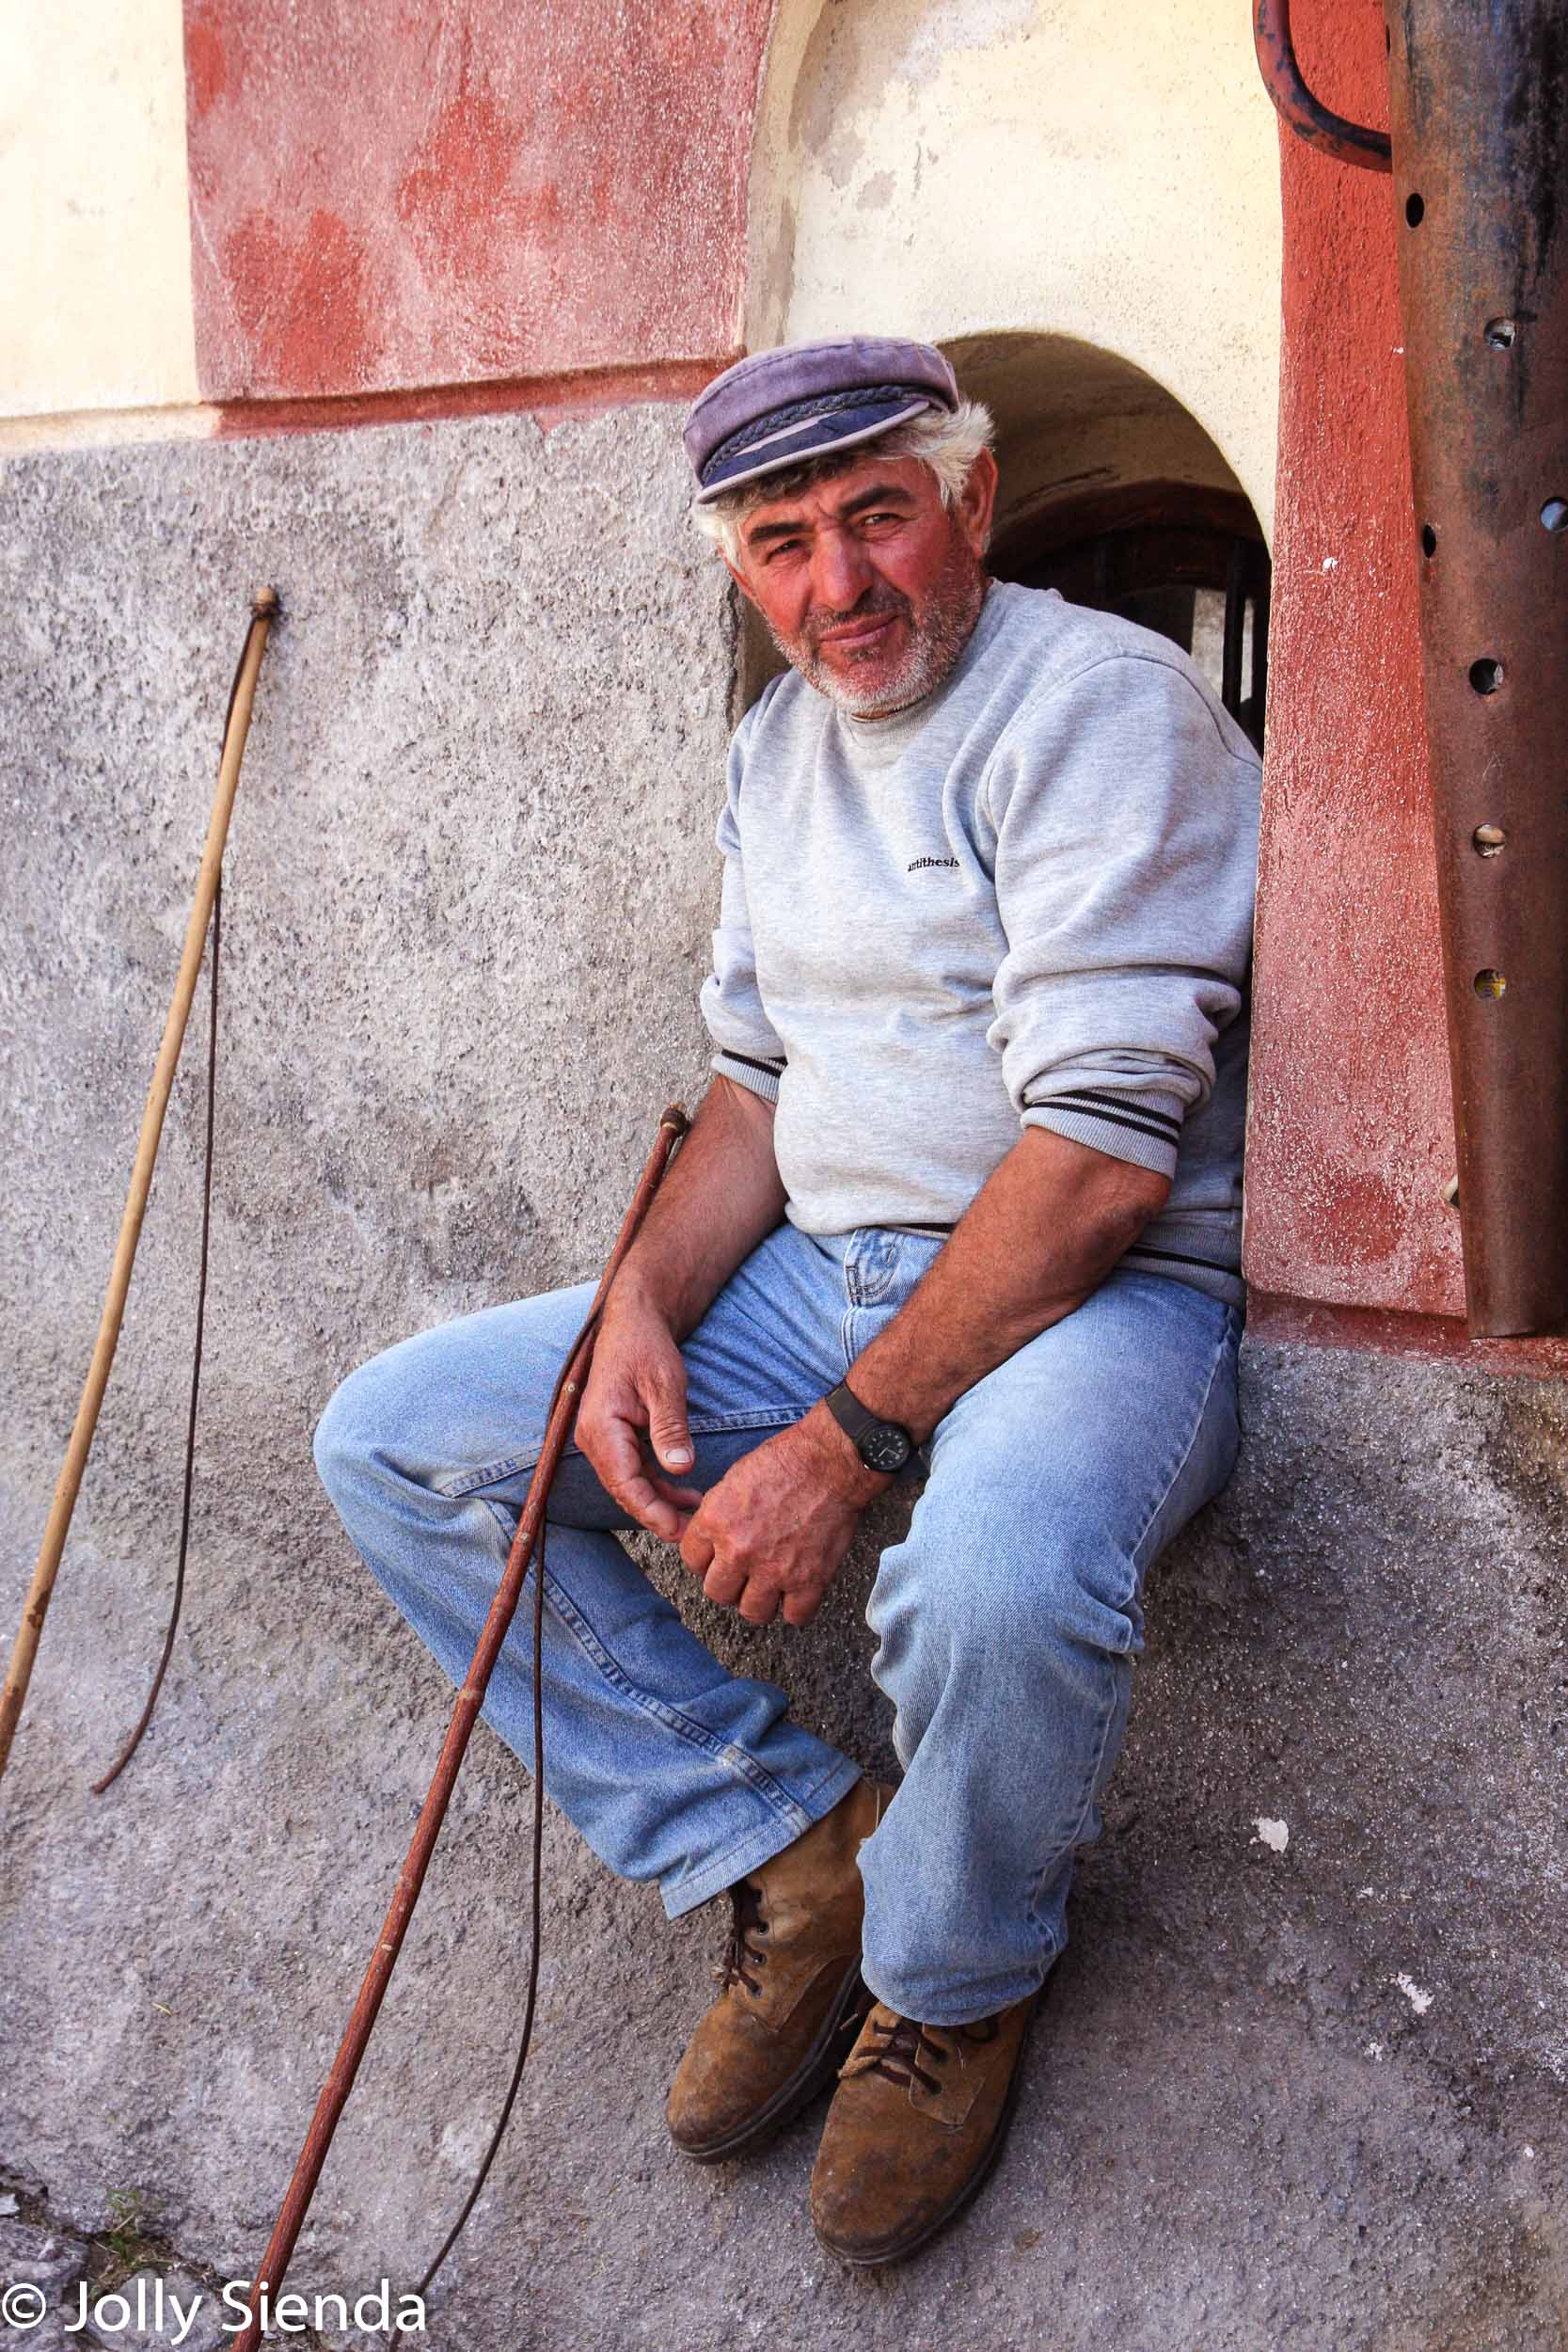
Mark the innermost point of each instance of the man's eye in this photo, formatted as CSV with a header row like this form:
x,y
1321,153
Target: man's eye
x,y
783,547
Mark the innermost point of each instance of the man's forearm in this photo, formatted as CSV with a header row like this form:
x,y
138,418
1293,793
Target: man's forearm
x,y
1039,1236
722,1195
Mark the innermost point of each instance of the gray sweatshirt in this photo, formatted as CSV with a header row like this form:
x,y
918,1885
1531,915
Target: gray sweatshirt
x,y
1026,900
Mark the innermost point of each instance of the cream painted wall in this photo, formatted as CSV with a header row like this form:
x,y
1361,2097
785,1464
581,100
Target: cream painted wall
x,y
95,298
953,168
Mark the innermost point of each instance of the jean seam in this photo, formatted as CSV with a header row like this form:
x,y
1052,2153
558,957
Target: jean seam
x,y
800,1804
867,1285
845,1336
1102,1733
719,1751
720,1870
1108,1714
1186,1456
700,1425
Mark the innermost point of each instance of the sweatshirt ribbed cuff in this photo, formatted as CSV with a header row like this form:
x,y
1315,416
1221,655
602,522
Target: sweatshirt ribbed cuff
x,y
760,1077
1143,1129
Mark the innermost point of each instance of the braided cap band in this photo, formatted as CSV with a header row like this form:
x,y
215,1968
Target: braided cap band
x,y
778,408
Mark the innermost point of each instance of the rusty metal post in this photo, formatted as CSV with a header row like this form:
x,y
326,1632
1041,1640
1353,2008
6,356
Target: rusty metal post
x,y
1479,105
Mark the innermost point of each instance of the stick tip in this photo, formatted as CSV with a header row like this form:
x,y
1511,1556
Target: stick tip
x,y
266,605
675,1116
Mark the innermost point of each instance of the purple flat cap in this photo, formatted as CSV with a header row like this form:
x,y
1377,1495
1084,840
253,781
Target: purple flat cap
x,y
779,408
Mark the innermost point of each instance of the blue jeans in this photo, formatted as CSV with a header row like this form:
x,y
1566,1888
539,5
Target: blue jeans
x,y
1007,1619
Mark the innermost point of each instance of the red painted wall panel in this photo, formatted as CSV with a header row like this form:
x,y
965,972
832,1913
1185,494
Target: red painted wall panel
x,y
426,194
1350,1134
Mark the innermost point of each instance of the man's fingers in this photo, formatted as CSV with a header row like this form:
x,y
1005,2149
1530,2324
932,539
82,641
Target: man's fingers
x,y
759,1603
724,1585
614,1448
686,1499
649,1510
664,1393
617,1457
697,1548
800,1607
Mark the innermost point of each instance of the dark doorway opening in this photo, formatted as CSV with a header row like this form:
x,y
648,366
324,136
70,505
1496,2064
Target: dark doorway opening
x,y
1186,560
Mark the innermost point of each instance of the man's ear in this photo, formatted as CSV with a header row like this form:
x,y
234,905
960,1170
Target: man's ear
x,y
977,501
741,582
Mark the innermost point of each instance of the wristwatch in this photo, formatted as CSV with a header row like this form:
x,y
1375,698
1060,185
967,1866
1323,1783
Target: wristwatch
x,y
882,1445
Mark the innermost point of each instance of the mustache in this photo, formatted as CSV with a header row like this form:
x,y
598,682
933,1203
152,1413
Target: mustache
x,y
879,599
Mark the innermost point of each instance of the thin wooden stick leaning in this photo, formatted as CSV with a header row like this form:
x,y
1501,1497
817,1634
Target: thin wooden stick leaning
x,y
18,1671
340,2082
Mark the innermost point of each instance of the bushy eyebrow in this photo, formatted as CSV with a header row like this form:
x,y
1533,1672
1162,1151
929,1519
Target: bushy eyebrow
x,y
879,494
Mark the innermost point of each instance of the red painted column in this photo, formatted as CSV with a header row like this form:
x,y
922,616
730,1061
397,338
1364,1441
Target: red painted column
x,y
462,192
1350,1141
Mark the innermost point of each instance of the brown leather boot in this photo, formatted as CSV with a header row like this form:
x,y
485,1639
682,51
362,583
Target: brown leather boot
x,y
790,1975
917,2122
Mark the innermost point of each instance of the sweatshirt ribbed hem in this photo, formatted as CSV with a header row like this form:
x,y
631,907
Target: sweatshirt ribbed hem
x,y
1222,1282
1121,1134
759,1077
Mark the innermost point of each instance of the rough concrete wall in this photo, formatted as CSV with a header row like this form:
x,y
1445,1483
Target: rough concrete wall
x,y
470,880
1282,2099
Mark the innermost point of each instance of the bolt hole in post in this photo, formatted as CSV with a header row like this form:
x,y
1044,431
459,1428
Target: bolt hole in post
x,y
1498,334
1490,985
1428,540
1415,209
1486,674
1487,840
1554,515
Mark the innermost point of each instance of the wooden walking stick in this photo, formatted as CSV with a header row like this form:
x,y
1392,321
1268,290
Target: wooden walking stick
x,y
18,1671
530,1536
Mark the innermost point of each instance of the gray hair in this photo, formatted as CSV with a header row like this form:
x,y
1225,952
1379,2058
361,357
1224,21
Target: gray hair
x,y
947,442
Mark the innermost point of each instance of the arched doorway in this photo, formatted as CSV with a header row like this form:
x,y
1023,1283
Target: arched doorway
x,y
1113,493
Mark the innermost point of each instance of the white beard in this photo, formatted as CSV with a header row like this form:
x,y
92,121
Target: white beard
x,y
940,634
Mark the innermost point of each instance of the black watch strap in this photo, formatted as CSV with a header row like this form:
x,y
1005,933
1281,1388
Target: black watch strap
x,y
882,1445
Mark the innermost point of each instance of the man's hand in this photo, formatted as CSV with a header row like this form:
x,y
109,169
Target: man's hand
x,y
636,1388
722,1197
772,1534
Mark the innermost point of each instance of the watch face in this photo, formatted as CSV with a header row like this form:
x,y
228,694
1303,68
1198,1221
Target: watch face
x,y
886,1447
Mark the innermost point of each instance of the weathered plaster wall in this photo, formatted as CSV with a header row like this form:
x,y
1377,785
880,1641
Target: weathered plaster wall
x,y
95,296
465,192
1352,1135
1284,2096
954,168
432,210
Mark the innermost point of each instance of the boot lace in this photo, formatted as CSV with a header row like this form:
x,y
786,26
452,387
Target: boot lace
x,y
895,2045
740,1954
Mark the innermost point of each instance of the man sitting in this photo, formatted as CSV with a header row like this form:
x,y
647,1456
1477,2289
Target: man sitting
x,y
962,1199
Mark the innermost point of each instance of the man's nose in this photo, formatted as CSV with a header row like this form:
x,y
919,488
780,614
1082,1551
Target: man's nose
x,y
841,571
